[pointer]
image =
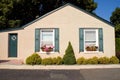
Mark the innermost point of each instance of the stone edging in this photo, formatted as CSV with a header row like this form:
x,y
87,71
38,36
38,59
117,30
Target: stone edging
x,y
59,67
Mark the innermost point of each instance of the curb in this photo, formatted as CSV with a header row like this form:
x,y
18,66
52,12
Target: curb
x,y
59,67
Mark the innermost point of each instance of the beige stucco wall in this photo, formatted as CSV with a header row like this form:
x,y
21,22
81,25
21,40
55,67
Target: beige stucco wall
x,y
68,20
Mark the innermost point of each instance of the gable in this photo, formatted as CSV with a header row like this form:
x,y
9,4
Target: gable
x,y
69,14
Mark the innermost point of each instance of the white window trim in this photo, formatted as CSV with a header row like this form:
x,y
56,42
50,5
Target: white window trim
x,y
53,30
97,42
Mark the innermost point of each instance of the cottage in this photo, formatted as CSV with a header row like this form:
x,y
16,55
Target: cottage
x,y
89,35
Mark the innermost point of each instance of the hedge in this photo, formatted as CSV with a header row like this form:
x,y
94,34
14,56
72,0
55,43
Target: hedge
x,y
117,40
96,60
34,59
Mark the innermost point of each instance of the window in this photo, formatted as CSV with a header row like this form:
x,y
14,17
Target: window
x,y
47,38
90,39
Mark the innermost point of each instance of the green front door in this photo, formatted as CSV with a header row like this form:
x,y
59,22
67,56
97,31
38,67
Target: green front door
x,y
12,45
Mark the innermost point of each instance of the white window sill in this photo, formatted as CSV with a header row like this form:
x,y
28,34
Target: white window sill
x,y
91,52
41,52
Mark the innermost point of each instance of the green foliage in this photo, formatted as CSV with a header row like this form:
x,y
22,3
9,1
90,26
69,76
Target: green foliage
x,y
103,60
88,5
93,60
54,60
69,57
96,60
117,31
47,61
114,60
115,18
34,59
86,61
25,11
7,18
118,55
2,22
80,60
57,61
117,40
14,23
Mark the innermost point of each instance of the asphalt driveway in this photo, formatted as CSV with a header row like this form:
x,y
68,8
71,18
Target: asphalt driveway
x,y
82,74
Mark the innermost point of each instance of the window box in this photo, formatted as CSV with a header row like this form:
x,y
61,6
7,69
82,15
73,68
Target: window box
x,y
91,48
47,48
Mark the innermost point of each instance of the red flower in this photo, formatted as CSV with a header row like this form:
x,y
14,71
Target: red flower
x,y
47,48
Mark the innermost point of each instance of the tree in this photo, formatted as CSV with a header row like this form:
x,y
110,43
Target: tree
x,y
115,18
117,31
6,7
88,5
15,13
69,57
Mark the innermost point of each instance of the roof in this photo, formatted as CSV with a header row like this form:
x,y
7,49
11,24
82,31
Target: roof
x,y
68,4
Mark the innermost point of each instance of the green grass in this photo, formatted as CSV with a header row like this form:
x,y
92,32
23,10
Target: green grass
x,y
117,40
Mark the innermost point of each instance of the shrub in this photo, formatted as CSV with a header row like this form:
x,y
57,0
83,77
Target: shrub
x,y
54,60
69,57
93,60
103,60
86,61
117,40
80,60
114,60
47,61
59,60
118,55
34,59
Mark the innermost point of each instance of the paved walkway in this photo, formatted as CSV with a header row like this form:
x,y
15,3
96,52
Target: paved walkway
x,y
11,62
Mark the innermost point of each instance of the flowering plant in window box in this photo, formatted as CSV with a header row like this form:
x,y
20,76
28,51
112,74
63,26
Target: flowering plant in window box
x,y
47,48
91,48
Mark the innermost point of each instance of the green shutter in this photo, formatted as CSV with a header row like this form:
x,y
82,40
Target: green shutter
x,y
56,40
37,40
100,39
81,40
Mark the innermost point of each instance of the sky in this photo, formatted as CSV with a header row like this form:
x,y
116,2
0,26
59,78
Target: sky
x,y
106,7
